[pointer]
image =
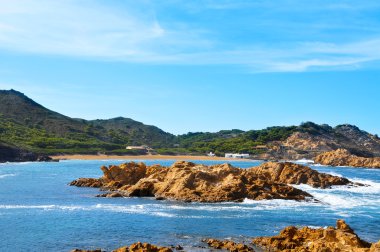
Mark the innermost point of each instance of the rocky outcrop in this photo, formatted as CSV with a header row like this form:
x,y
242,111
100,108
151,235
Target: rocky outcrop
x,y
291,239
10,153
189,182
136,247
342,157
228,245
290,173
143,247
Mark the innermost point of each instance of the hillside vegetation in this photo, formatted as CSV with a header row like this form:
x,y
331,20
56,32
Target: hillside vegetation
x,y
27,125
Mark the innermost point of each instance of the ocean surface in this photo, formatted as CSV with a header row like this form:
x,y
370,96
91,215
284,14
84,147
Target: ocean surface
x,y
40,212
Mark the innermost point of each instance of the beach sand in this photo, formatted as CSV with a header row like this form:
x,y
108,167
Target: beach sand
x,y
142,157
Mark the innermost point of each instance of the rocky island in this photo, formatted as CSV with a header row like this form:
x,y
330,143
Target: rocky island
x,y
342,157
190,182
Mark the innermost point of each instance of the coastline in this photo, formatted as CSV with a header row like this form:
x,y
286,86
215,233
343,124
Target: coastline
x,y
143,157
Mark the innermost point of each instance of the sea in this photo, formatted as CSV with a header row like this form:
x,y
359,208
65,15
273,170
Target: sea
x,y
39,211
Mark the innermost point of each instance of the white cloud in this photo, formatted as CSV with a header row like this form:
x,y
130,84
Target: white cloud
x,y
134,34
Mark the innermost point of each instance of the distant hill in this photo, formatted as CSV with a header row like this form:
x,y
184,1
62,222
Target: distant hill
x,y
286,142
28,127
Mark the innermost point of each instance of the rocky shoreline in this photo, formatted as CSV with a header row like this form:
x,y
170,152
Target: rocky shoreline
x,y
190,182
342,157
14,154
341,238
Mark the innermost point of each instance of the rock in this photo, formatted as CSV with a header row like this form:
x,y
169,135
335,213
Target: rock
x,y
228,245
178,247
87,182
9,153
342,157
142,247
291,239
190,182
110,195
375,247
290,173
45,158
136,247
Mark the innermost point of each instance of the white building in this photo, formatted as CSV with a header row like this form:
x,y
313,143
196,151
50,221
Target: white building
x,y
236,155
142,147
211,154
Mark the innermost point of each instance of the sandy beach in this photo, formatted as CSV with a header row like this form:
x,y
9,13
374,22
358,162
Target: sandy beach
x,y
141,157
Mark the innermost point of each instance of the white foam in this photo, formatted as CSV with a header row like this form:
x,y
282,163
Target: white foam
x,y
346,196
27,206
303,161
7,175
280,204
333,174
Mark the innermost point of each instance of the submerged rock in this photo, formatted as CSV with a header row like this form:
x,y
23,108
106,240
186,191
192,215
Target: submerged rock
x,y
189,182
330,239
342,157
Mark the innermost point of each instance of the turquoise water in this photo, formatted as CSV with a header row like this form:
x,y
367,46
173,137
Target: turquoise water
x,y
40,212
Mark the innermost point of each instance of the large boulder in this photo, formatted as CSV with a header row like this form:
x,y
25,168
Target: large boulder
x,y
342,157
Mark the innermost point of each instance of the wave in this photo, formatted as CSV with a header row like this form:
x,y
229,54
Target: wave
x,y
7,175
27,207
333,173
347,197
128,209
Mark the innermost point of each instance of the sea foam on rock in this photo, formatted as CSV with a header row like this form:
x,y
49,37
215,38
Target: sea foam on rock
x,y
190,182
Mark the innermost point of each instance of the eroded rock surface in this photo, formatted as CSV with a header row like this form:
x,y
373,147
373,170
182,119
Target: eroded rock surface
x,y
143,247
187,181
342,157
339,239
228,245
290,173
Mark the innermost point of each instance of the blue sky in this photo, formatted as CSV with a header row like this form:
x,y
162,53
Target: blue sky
x,y
197,65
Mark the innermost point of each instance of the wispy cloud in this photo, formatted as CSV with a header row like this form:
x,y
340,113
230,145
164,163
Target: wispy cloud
x,y
84,28
141,33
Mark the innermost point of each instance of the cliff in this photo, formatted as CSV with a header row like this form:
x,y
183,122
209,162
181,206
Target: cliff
x,y
9,153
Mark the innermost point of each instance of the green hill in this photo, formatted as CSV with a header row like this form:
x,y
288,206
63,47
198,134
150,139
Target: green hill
x,y
27,127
